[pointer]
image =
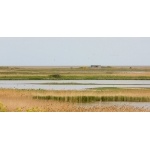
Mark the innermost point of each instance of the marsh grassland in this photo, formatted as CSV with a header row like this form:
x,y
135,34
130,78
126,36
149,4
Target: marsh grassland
x,y
75,73
57,101
13,100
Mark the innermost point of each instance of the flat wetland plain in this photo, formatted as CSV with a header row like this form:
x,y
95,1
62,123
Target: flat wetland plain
x,y
75,73
15,100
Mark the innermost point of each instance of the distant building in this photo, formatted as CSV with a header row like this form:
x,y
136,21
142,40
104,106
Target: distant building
x,y
95,66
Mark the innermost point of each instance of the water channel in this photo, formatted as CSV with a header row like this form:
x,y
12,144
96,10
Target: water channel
x,y
72,84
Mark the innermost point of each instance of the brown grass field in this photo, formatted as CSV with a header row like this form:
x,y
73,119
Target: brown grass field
x,y
22,100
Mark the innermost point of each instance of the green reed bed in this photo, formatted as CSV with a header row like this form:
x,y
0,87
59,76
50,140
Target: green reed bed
x,y
87,99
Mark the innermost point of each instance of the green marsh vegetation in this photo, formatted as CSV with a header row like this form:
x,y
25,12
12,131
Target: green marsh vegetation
x,y
75,73
88,99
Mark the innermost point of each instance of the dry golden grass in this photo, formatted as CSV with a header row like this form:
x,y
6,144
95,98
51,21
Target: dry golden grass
x,y
14,93
22,101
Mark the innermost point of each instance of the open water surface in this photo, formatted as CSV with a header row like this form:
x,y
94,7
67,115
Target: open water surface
x,y
72,84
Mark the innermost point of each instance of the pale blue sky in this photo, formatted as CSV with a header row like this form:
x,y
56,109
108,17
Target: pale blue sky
x,y
74,51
